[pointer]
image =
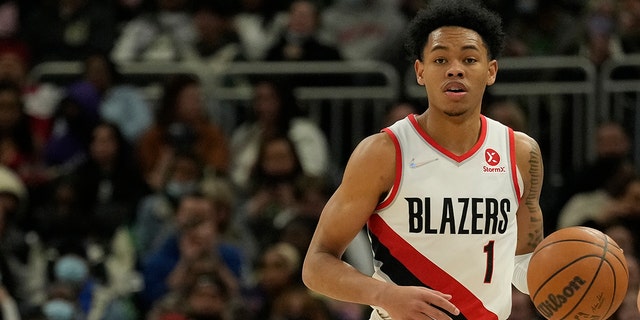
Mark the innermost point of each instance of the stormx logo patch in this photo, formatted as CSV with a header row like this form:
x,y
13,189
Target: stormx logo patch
x,y
492,158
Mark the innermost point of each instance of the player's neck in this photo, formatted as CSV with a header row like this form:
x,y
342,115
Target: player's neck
x,y
456,134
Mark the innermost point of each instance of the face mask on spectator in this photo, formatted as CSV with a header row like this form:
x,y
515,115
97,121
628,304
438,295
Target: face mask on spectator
x,y
71,269
58,309
176,189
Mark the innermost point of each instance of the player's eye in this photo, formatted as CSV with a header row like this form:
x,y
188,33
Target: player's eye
x,y
439,60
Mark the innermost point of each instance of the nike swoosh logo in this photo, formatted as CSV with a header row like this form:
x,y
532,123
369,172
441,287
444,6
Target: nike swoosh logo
x,y
414,164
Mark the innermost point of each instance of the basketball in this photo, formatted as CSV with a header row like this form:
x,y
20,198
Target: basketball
x,y
577,273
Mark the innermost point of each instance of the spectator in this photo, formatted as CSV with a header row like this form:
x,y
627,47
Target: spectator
x,y
108,188
17,148
364,29
589,207
217,41
508,112
21,275
275,112
299,41
155,217
40,99
69,30
113,99
181,124
270,203
543,28
278,270
75,292
612,142
159,34
297,302
196,236
233,228
629,25
258,24
59,219
600,40
108,183
206,291
397,111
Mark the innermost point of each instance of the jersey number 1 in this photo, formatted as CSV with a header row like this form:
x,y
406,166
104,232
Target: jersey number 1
x,y
488,249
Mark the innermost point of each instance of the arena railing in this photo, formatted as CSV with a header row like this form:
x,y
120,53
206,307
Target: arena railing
x,y
620,96
347,99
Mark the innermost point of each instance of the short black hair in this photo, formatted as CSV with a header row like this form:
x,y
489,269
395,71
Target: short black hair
x,y
468,14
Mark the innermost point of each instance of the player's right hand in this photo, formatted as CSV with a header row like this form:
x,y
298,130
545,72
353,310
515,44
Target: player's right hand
x,y
414,303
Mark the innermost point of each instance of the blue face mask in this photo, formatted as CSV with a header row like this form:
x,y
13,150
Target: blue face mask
x,y
58,309
178,189
71,269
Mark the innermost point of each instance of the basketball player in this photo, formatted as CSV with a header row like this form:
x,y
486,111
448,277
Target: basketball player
x,y
450,198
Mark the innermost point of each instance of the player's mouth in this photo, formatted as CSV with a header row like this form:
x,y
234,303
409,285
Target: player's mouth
x,y
455,89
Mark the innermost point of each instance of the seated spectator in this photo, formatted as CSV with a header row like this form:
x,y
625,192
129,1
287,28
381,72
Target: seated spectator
x,y
17,148
259,23
545,28
600,40
39,98
298,302
196,236
278,270
69,30
508,112
108,183
181,123
629,25
205,290
299,41
158,34
217,41
112,99
275,112
13,197
155,216
365,29
270,203
233,228
592,207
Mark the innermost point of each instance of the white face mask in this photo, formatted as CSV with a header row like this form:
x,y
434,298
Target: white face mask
x,y
59,309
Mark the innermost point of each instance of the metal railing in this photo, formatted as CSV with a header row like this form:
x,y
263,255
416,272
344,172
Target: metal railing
x,y
563,97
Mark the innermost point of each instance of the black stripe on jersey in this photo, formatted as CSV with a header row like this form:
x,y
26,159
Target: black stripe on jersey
x,y
397,271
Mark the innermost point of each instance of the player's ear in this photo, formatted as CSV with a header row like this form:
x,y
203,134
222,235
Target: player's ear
x,y
492,72
419,68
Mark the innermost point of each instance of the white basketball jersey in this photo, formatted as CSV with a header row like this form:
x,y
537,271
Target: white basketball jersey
x,y
449,222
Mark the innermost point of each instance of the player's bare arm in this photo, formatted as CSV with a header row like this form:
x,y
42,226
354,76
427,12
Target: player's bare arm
x,y
368,175
529,215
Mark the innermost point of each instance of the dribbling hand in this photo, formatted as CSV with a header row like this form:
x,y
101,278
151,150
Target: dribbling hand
x,y
413,303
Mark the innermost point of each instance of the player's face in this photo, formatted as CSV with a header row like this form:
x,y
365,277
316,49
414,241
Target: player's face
x,y
455,70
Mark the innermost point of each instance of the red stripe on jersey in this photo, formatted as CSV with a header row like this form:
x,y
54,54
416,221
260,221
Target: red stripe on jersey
x,y
396,181
514,163
428,272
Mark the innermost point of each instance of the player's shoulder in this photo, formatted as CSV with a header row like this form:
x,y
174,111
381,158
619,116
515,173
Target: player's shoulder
x,y
527,148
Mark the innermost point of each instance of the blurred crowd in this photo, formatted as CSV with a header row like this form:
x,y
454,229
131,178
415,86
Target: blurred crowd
x,y
113,206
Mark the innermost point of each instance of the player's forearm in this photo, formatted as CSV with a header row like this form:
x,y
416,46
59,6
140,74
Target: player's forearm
x,y
336,279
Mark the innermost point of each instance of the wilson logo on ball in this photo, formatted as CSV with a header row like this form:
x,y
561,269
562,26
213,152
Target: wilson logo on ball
x,y
555,301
